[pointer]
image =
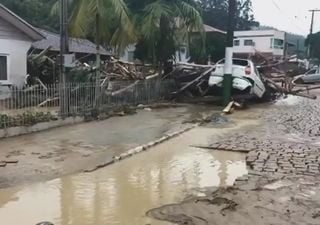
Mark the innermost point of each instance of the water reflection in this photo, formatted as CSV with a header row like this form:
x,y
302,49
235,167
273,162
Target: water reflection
x,y
122,193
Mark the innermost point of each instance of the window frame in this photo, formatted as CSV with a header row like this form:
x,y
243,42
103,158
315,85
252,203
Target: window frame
x,y
273,43
310,72
248,40
236,42
7,69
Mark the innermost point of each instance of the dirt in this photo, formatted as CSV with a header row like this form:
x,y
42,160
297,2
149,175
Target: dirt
x,y
285,203
73,149
167,172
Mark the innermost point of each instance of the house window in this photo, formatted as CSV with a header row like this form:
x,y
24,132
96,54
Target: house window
x,y
3,68
277,43
236,42
248,42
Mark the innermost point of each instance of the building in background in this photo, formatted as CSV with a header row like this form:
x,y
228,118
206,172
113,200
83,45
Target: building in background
x,y
16,38
269,43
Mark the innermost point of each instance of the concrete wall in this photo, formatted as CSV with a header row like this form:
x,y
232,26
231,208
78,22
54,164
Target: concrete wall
x,y
261,39
16,52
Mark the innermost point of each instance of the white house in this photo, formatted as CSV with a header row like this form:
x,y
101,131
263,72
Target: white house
x,y
270,43
16,38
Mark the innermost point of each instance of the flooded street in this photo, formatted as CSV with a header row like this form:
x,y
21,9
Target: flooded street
x,y
122,193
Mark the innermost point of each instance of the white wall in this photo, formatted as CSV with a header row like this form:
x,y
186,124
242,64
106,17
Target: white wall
x,y
16,52
128,54
262,40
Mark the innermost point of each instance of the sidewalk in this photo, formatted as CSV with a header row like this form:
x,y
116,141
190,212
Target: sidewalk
x,y
73,149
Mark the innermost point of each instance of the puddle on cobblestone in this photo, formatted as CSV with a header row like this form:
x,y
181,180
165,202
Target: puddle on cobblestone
x,y
122,193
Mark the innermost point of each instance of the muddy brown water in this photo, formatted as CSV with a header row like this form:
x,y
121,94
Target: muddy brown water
x,y
122,193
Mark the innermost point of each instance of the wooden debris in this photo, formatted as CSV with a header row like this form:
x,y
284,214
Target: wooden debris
x,y
229,108
11,161
131,86
192,79
3,164
120,70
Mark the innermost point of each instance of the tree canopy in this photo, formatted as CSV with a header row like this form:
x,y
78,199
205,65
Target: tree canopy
x,y
160,25
314,41
35,12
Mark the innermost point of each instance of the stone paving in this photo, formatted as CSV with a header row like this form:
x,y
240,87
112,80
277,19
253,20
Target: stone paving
x,y
271,151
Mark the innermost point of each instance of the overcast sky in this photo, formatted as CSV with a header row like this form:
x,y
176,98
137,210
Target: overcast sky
x,y
288,15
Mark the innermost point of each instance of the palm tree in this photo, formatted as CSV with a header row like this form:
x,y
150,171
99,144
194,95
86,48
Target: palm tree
x,y
107,21
165,24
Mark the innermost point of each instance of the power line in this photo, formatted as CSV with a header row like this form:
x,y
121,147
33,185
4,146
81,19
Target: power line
x,y
313,11
287,17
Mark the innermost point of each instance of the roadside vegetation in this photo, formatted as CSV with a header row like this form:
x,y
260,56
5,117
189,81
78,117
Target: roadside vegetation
x,y
149,24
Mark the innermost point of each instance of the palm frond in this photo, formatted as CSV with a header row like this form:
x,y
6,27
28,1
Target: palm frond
x,y
79,20
152,15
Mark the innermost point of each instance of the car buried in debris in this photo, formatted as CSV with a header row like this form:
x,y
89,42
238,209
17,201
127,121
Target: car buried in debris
x,y
246,78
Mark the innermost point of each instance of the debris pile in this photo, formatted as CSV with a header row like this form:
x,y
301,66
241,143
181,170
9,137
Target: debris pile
x,y
192,79
120,70
278,78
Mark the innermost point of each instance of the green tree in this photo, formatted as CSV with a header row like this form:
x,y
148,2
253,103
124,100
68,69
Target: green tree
x,y
314,41
215,13
164,25
35,12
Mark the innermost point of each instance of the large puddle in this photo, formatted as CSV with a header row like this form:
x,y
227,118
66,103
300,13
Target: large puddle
x,y
122,193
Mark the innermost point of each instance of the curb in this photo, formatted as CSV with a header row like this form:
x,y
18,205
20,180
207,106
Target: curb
x,y
142,148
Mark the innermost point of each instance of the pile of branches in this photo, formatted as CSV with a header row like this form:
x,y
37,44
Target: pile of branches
x,y
120,70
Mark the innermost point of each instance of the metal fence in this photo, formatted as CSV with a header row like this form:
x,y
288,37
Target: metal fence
x,y
35,104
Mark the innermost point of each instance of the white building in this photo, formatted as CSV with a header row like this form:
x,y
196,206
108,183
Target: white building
x,y
16,38
270,43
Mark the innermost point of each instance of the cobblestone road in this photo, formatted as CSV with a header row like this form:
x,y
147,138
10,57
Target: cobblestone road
x,y
287,141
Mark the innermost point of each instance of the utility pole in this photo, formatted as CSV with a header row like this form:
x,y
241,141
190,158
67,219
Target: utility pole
x,y
64,49
227,79
313,11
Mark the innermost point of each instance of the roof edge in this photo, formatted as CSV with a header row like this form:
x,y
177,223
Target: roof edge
x,y
20,23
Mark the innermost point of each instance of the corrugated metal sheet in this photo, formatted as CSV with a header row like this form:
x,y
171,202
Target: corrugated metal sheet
x,y
76,45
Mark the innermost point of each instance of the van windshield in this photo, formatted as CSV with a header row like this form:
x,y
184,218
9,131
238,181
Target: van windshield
x,y
237,62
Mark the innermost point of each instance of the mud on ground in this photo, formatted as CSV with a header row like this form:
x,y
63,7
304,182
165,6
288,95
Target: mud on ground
x,y
72,149
282,186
